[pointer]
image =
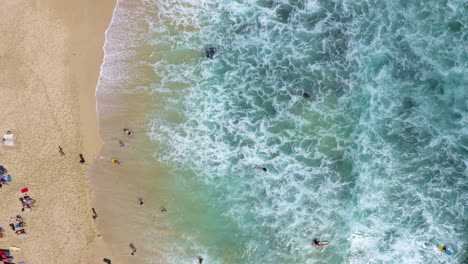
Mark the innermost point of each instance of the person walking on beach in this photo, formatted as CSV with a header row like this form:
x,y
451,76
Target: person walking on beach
x,y
261,168
61,151
121,144
94,213
82,161
133,248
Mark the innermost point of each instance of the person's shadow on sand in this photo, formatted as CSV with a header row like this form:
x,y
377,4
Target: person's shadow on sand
x,y
106,260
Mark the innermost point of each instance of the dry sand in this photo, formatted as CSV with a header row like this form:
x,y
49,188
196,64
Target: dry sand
x,y
50,54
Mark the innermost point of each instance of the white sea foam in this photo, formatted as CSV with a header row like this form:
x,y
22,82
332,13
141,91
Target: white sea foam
x,y
362,164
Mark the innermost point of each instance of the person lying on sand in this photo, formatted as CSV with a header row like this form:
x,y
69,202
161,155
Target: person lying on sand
x,y
115,161
20,232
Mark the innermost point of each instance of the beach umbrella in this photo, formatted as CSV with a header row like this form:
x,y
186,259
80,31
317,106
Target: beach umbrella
x,y
24,190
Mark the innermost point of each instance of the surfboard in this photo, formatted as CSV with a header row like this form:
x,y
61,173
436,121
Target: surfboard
x,y
442,249
9,178
320,243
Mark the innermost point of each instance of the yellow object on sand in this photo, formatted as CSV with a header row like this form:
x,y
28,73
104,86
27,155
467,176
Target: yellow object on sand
x,y
115,161
14,248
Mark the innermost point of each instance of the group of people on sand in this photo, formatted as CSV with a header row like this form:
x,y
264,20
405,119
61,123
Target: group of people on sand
x,y
3,177
27,202
17,224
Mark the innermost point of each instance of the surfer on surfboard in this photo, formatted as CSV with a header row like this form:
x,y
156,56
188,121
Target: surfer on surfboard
x,y
317,243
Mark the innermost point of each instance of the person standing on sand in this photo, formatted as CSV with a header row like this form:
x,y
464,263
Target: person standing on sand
x,y
82,161
61,151
121,144
94,213
133,248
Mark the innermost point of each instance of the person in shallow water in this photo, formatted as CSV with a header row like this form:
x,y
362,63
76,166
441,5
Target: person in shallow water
x,y
128,132
261,168
315,242
210,52
306,95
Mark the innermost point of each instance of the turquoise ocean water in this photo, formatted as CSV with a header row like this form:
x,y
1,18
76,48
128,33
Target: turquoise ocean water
x,y
374,162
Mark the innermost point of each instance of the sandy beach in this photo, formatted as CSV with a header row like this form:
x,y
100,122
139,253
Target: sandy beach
x,y
50,57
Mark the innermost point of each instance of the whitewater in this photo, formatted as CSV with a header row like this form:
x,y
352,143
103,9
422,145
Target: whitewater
x,y
374,161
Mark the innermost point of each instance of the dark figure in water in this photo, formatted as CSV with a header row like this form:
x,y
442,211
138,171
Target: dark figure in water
x,y
82,159
261,168
141,201
133,248
315,242
200,259
210,52
444,249
306,95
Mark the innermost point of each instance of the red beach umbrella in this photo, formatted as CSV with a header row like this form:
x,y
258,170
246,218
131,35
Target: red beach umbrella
x,y
24,190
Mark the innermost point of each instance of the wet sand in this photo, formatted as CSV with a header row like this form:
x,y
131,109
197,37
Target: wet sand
x,y
50,54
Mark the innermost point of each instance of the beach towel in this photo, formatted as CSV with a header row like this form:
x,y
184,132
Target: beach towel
x,y
24,190
8,136
9,178
9,143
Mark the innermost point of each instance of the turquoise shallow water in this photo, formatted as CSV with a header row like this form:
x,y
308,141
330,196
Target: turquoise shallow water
x,y
375,162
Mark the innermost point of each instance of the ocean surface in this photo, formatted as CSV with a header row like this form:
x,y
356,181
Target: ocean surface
x,y
375,161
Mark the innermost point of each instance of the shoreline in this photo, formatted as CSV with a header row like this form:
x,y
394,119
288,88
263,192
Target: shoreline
x,y
50,56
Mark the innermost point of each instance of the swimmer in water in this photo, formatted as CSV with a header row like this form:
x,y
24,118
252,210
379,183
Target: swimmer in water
x,y
261,168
